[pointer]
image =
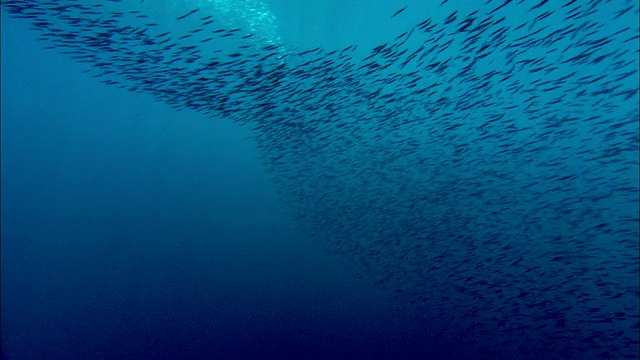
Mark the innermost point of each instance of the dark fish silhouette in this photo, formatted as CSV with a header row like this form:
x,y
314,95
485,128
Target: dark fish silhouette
x,y
187,14
398,12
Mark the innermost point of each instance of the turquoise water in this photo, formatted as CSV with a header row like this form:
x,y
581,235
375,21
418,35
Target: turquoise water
x,y
320,179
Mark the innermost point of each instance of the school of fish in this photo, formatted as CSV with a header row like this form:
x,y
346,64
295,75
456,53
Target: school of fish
x,y
483,168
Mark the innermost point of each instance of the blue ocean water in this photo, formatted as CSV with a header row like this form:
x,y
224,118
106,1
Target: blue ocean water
x,y
135,227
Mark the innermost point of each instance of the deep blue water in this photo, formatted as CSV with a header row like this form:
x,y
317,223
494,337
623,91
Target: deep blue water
x,y
130,230
135,230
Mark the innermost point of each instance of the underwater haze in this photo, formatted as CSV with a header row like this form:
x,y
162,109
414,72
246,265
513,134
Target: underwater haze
x,y
321,179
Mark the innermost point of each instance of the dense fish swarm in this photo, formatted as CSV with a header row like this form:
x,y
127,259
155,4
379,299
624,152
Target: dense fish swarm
x,y
484,168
